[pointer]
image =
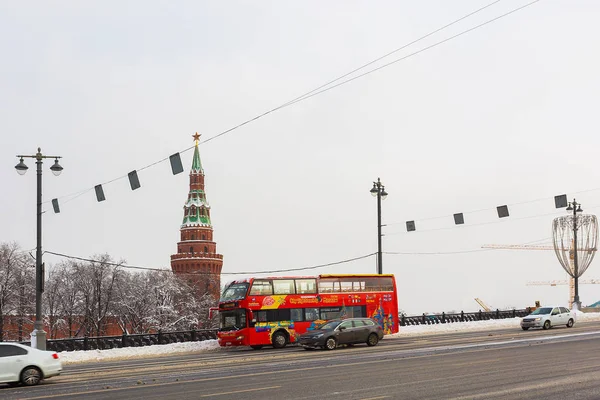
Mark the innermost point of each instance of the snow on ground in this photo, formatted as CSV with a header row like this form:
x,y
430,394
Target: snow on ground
x,y
71,357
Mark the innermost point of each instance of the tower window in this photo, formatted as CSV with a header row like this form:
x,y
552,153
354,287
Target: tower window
x,y
193,237
205,249
203,236
191,250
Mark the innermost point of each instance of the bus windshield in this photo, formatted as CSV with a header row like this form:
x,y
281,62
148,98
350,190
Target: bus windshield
x,y
232,320
235,291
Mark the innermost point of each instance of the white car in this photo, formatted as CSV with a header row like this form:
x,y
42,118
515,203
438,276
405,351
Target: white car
x,y
547,317
19,363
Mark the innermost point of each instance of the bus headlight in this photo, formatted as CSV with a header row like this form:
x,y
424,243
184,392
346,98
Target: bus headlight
x,y
241,337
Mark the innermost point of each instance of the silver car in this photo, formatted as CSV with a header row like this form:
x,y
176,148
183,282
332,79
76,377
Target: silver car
x,y
547,317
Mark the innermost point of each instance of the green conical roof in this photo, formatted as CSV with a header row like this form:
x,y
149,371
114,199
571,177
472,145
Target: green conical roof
x,y
196,163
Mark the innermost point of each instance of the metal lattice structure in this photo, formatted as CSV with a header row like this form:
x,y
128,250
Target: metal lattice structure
x,y
575,240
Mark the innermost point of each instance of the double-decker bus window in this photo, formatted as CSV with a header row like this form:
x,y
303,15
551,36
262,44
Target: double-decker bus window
x,y
283,314
296,314
329,285
311,314
330,313
235,291
306,286
377,284
346,286
260,316
356,311
283,286
261,288
358,286
232,320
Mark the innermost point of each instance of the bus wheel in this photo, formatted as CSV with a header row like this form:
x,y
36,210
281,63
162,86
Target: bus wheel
x,y
257,347
279,340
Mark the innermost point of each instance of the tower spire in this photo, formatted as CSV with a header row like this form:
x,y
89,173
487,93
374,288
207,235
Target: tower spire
x,y
196,163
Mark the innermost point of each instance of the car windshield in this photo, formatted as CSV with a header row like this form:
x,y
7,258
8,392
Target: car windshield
x,y
329,326
542,311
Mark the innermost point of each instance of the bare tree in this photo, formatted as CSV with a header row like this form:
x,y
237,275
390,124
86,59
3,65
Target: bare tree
x,y
12,263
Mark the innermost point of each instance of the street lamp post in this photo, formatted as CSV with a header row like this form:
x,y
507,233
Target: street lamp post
x,y
38,336
575,207
378,190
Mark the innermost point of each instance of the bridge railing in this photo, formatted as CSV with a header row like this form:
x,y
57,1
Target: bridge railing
x,y
133,340
446,318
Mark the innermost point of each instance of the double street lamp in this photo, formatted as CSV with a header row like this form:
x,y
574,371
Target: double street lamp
x,y
378,191
38,336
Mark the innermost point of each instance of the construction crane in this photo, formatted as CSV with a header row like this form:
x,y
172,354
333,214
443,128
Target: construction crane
x,y
570,281
483,305
562,282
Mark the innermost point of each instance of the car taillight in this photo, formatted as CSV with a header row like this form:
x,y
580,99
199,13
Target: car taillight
x,y
55,356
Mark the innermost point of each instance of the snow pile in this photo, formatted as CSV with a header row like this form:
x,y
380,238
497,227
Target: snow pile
x,y
70,357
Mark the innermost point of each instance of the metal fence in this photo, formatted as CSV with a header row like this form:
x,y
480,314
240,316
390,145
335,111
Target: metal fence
x,y
135,340
443,318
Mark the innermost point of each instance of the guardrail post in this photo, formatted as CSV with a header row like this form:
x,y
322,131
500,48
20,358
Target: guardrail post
x,y
443,317
480,318
403,320
497,313
124,340
462,316
423,319
193,335
514,313
160,337
85,342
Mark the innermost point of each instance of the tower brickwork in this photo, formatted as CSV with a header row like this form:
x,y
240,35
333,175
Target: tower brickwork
x,y
197,259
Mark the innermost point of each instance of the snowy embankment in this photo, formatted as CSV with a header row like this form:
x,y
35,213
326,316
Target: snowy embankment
x,y
70,357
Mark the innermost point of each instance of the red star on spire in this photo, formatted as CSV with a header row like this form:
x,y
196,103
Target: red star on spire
x,y
196,137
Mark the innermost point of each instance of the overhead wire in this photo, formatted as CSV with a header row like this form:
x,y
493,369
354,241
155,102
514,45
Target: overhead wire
x,y
122,265
323,88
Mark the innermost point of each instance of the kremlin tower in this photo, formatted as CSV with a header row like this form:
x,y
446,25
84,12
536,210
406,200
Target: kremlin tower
x,y
197,259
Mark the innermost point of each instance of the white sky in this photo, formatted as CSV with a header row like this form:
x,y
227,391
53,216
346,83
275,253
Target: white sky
x,y
502,115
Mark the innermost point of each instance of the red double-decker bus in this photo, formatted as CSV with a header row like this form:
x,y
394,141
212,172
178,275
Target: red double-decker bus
x,y
274,311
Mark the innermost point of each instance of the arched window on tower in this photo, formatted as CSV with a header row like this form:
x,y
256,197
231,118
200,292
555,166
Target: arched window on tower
x,y
193,237
205,249
203,236
191,250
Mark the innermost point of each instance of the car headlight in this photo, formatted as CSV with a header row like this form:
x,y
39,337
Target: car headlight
x,y
537,319
318,336
239,337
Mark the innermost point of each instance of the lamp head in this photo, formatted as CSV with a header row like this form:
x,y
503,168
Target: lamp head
x,y
21,167
374,190
383,193
56,168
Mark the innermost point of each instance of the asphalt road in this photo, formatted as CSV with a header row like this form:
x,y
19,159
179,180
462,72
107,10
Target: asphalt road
x,y
501,364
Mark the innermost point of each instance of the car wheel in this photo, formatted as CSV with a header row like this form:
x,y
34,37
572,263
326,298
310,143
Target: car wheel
x,y
257,347
570,323
279,340
31,376
546,325
524,328
330,344
372,340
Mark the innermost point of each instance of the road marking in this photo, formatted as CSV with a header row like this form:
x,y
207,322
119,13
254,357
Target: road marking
x,y
240,391
377,398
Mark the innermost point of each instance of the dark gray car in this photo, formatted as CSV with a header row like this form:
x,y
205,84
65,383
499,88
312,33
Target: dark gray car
x,y
342,331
